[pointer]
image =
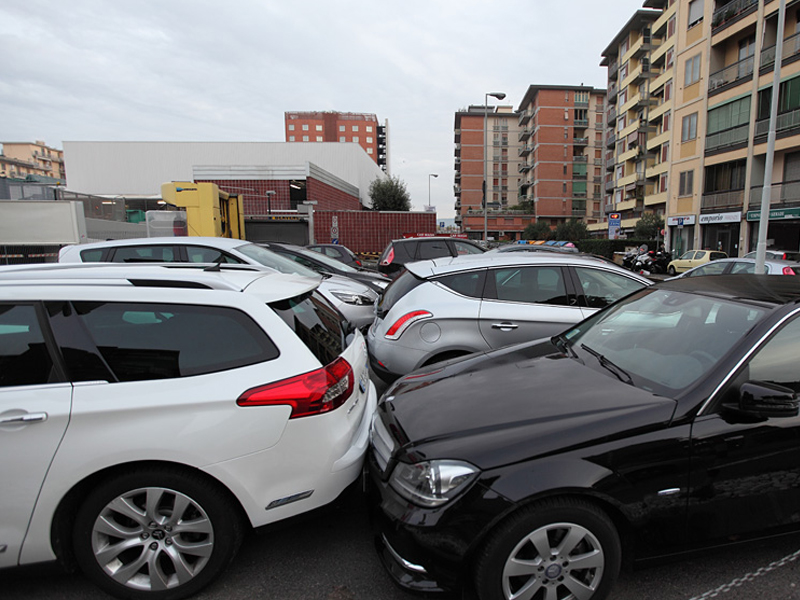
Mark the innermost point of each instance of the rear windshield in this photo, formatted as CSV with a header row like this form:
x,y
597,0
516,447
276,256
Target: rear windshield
x,y
396,290
316,322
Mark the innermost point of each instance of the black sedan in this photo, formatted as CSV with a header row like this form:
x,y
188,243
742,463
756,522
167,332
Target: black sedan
x,y
665,423
329,266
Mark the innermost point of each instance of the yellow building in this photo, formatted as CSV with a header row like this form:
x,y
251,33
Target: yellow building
x,y
20,159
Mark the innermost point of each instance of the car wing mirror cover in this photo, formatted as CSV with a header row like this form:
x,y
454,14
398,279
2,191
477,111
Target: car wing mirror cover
x,y
768,399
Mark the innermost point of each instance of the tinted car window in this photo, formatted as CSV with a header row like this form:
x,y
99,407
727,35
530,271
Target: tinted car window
x,y
465,248
145,254
199,254
601,288
709,269
95,255
432,249
717,255
271,259
743,267
24,359
776,362
396,290
142,341
316,323
541,285
467,284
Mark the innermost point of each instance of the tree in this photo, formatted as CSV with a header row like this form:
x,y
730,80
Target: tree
x,y
572,231
537,231
389,194
648,227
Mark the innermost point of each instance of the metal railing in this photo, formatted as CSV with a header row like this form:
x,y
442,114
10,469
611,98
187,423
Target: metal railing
x,y
787,191
788,120
791,47
729,137
720,199
732,9
739,70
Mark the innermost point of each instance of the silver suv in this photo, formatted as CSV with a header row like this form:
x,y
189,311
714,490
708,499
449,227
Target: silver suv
x,y
353,299
150,415
443,308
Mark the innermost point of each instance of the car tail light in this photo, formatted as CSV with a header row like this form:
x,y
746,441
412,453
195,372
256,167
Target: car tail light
x,y
389,257
358,262
789,271
404,322
311,393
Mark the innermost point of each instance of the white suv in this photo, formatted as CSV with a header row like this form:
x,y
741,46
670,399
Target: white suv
x,y
354,299
149,415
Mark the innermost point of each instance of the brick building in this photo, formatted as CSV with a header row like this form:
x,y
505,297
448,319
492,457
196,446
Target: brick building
x,y
331,126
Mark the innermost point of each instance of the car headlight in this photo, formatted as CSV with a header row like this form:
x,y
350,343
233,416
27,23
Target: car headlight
x,y
353,297
432,483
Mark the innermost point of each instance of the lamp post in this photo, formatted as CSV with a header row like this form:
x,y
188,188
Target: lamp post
x,y
499,96
429,186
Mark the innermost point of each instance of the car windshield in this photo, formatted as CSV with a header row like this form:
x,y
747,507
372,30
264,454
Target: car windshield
x,y
326,260
662,340
271,259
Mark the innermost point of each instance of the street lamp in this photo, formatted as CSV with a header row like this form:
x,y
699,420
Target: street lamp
x,y
499,96
429,186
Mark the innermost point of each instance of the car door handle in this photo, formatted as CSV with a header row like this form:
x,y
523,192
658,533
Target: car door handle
x,y
28,418
504,326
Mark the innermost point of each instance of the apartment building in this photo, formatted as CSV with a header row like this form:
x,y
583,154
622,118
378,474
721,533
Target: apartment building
x,y
499,142
331,126
561,152
634,84
20,159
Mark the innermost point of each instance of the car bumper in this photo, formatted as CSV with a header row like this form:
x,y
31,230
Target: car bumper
x,y
430,550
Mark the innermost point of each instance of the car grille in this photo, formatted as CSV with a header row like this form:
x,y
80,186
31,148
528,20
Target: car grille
x,y
382,443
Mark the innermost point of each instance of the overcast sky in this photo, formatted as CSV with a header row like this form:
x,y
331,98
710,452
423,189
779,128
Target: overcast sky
x,y
193,70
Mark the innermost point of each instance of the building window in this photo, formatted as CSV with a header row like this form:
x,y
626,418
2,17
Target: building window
x,y
671,27
622,97
665,153
692,74
319,138
369,140
342,138
305,138
341,127
670,58
623,70
319,127
355,138
291,127
369,150
727,116
663,183
291,138
668,90
305,127
355,127
695,13
623,47
686,185
665,125
689,127
369,128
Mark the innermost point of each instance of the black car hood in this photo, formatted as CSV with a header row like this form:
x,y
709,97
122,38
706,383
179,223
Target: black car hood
x,y
514,404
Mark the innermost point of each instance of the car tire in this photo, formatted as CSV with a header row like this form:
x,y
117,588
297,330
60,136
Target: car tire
x,y
519,556
671,270
129,540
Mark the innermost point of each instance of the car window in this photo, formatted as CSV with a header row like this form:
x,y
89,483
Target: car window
x,y
332,263
432,249
24,358
145,254
199,254
468,284
717,255
464,248
94,255
708,269
396,290
141,341
687,255
276,261
743,267
540,285
601,288
316,323
776,361
699,255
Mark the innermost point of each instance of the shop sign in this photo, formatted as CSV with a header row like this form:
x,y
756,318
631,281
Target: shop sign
x,y
731,217
680,221
779,214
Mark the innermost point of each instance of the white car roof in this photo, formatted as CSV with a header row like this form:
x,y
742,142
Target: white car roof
x,y
269,284
443,266
214,242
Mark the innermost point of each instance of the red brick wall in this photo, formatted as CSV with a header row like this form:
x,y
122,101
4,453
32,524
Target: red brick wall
x,y
329,198
253,192
368,231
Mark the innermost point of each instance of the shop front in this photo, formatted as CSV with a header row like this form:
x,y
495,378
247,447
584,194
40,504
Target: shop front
x,y
783,232
681,234
720,231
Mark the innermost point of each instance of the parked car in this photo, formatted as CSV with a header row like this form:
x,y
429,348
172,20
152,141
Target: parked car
x,y
352,298
790,255
150,415
693,258
667,422
535,248
337,252
399,252
328,266
740,266
453,306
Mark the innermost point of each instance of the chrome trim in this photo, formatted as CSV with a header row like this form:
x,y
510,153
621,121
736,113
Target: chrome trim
x,y
406,565
743,360
382,442
669,492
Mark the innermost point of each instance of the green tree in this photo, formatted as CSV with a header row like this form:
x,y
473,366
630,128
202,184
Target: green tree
x,y
572,231
648,227
526,206
537,231
389,194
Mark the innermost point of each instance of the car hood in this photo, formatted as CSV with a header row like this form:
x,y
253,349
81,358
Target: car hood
x,y
513,404
337,282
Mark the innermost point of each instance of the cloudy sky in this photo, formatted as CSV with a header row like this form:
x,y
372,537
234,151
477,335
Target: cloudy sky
x,y
195,70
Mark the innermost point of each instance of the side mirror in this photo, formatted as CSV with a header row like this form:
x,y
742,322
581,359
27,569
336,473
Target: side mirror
x,y
768,400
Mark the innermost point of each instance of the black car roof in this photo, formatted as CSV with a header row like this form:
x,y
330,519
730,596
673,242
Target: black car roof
x,y
760,288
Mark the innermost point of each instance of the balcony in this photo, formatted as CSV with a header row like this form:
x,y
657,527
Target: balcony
x,y
611,140
523,168
734,74
780,193
723,199
578,207
579,176
581,123
583,141
731,11
613,69
611,115
524,116
791,47
524,150
729,137
784,122
580,158
524,134
612,93
646,100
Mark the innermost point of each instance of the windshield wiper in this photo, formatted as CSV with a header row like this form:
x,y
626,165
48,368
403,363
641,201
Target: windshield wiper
x,y
560,342
621,373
